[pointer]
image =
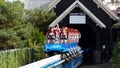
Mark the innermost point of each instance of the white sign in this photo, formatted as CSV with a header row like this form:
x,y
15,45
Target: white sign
x,y
77,18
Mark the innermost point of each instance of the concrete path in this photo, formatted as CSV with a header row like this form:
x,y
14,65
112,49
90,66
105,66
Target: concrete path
x,y
105,65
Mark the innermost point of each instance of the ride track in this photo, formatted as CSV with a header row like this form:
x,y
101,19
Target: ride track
x,y
57,61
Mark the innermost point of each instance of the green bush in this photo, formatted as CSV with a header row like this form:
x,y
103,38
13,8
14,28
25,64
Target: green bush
x,y
116,55
38,53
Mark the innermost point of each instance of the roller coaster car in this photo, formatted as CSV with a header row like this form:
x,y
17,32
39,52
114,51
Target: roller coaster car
x,y
62,40
58,47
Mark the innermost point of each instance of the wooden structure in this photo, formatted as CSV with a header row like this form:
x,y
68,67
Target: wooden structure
x,y
97,29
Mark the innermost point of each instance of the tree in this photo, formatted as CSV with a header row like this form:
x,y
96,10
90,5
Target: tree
x,y
1,1
41,18
10,14
18,30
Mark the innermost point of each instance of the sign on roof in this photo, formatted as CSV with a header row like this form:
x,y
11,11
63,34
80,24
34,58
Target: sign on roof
x,y
77,18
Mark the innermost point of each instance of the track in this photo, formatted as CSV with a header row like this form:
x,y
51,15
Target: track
x,y
57,61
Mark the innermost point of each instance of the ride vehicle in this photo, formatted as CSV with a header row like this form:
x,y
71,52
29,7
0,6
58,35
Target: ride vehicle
x,y
62,40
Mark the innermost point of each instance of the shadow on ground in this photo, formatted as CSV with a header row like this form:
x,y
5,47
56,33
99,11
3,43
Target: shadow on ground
x,y
104,65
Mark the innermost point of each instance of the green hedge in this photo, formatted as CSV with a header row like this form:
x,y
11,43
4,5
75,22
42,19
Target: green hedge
x,y
116,55
38,53
20,57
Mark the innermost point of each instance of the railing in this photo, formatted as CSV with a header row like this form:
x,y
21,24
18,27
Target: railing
x,y
18,57
44,63
15,58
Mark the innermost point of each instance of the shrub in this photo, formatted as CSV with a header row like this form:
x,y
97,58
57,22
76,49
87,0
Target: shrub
x,y
116,55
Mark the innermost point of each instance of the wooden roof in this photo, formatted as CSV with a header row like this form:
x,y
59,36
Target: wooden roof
x,y
77,3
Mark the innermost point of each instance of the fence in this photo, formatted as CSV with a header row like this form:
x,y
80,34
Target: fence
x,y
19,57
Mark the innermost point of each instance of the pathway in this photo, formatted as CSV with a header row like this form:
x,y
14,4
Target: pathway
x,y
105,65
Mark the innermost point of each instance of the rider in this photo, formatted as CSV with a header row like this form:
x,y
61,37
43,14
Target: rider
x,y
64,35
51,36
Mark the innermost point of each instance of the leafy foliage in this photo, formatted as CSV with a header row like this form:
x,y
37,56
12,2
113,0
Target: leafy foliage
x,y
18,30
117,24
41,18
116,55
21,28
8,39
1,1
10,14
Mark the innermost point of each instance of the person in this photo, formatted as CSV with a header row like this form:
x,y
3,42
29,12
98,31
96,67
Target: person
x,y
51,36
64,35
57,34
103,54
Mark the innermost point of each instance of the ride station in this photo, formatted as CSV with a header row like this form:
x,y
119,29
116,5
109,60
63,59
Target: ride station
x,y
94,20
82,29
